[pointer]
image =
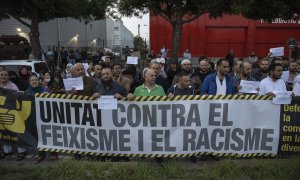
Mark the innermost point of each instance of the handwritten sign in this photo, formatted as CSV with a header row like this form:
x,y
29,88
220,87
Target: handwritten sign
x,y
279,51
282,97
107,102
132,60
71,83
249,86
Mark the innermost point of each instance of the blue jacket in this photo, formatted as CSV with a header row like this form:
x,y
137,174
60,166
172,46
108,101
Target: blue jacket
x,y
209,85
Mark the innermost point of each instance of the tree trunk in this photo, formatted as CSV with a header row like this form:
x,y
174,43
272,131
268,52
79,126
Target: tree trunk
x,y
177,32
34,38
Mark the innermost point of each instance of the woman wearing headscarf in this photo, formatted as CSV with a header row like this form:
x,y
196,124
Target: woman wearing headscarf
x,y
24,75
36,87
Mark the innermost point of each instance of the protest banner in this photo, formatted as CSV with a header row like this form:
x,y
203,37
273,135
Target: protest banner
x,y
224,125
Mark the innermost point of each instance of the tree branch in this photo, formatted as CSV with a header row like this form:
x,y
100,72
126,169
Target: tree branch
x,y
193,18
19,19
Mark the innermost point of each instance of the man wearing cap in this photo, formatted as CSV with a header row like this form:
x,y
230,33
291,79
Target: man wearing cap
x,y
186,68
219,82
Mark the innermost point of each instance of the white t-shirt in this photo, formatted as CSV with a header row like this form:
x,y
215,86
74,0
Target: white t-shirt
x,y
221,88
267,85
296,86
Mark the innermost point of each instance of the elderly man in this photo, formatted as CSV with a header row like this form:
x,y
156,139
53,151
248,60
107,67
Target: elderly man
x,y
160,80
149,88
219,82
89,84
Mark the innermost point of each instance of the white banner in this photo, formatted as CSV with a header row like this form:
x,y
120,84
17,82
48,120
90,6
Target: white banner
x,y
164,127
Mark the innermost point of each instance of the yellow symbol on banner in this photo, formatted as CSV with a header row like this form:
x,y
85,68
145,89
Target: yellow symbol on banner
x,y
14,120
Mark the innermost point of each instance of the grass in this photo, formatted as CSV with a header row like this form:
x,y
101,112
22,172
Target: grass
x,y
225,169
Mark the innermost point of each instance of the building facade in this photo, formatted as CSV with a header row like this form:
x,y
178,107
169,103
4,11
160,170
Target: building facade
x,y
70,32
215,37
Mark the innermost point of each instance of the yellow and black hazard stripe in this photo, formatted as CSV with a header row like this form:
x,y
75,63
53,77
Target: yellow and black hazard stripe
x,y
164,98
161,155
64,96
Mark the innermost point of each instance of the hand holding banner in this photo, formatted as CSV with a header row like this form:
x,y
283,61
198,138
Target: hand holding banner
x,y
282,97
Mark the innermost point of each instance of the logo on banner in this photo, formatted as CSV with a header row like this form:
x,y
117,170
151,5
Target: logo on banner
x,y
14,119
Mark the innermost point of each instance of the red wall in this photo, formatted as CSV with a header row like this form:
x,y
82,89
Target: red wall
x,y
214,37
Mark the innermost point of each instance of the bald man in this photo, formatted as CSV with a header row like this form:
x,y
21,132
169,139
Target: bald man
x,y
149,88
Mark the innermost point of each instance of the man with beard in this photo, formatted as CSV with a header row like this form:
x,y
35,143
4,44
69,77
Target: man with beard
x,y
272,82
203,70
119,78
107,86
219,82
187,68
263,70
289,75
245,74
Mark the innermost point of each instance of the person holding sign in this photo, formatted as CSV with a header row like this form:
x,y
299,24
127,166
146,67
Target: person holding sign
x,y
89,84
107,86
244,81
273,82
296,86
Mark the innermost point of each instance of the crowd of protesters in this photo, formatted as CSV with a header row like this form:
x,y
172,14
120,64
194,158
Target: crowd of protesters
x,y
161,77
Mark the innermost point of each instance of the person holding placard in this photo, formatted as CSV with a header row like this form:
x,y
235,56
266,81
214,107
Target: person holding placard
x,y
107,86
245,77
273,82
289,75
89,84
296,86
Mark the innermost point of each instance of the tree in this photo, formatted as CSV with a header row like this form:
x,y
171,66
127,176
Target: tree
x,y
269,9
179,12
42,11
176,12
139,43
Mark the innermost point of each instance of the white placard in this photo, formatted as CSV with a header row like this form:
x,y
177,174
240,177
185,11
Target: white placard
x,y
71,83
282,97
249,86
107,102
279,51
132,60
86,66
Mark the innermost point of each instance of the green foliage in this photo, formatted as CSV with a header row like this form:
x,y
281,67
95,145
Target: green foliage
x,y
269,9
139,43
173,169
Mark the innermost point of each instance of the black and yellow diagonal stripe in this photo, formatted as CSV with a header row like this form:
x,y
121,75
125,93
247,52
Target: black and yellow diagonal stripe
x,y
161,155
163,98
